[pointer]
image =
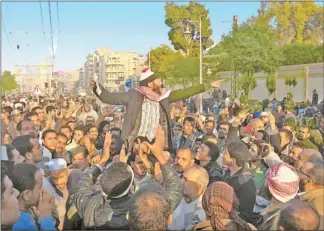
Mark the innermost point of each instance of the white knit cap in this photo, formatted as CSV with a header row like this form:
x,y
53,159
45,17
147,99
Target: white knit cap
x,y
146,73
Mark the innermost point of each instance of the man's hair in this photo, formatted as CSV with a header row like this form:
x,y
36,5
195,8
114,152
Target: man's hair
x,y
115,179
288,134
36,108
213,150
226,123
306,127
92,126
189,119
317,172
149,209
23,144
239,151
79,128
47,132
265,136
298,145
63,135
7,109
80,149
30,114
10,148
298,215
66,127
4,173
23,176
19,125
49,108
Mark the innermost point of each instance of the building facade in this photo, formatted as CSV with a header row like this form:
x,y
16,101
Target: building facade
x,y
113,68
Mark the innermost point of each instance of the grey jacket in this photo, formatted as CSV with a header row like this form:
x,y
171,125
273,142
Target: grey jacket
x,y
98,212
133,101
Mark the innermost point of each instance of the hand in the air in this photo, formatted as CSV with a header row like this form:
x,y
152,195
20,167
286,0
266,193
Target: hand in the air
x,y
93,84
216,83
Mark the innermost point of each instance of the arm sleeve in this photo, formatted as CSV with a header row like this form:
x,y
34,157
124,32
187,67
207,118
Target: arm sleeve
x,y
84,193
187,92
172,185
112,98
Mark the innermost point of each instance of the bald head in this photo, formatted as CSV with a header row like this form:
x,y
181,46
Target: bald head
x,y
298,215
195,181
149,209
306,155
184,160
257,124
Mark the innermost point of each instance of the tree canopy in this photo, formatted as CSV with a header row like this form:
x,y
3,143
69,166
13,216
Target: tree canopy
x,y
8,81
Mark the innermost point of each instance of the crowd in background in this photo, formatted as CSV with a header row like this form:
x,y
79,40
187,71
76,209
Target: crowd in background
x,y
65,166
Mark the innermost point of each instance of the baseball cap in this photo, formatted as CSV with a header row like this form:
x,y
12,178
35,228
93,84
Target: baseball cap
x,y
15,112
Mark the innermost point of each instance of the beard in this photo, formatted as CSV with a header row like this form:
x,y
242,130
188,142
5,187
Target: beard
x,y
157,89
302,184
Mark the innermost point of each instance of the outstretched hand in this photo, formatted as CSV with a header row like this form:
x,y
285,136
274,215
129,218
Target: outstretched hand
x,y
217,83
157,147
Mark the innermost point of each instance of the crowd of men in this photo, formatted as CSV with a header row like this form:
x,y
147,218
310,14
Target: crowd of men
x,y
75,163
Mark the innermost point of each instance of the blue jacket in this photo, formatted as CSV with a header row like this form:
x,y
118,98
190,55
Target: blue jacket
x,y
27,222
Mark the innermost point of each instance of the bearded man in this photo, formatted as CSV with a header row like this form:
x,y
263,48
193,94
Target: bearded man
x,y
147,106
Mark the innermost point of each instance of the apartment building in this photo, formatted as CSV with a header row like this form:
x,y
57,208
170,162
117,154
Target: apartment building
x,y
113,68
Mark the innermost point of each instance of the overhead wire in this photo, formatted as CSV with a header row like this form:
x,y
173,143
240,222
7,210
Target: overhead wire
x,y
58,16
41,13
50,17
5,29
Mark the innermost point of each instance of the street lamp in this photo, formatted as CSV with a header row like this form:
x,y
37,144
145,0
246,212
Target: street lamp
x,y
187,32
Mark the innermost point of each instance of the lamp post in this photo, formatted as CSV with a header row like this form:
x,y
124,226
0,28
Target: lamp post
x,y
187,33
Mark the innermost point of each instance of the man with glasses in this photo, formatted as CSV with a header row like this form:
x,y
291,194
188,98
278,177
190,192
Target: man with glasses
x,y
311,185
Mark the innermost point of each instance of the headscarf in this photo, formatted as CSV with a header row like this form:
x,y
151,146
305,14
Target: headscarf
x,y
283,182
220,202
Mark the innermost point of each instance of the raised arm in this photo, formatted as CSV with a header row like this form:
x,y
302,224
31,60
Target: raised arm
x,y
108,97
191,91
171,182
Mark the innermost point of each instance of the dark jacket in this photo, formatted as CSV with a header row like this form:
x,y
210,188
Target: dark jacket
x,y
100,213
245,190
215,172
134,100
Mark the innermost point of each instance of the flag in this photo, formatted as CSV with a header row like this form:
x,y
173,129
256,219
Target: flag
x,y
128,84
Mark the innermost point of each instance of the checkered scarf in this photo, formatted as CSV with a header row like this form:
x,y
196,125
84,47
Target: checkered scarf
x,y
220,202
283,182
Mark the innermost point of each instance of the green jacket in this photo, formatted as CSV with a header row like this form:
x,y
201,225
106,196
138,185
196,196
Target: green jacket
x,y
133,101
308,144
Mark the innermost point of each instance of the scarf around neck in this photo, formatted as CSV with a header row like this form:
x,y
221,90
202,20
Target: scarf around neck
x,y
153,96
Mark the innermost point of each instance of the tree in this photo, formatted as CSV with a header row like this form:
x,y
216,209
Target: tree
x,y
271,84
162,60
185,71
8,81
291,19
251,49
293,54
177,18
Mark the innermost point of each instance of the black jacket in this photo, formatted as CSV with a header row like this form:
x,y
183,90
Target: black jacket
x,y
245,190
100,213
215,172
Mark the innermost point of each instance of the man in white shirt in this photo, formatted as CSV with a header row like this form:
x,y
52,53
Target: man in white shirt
x,y
190,211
